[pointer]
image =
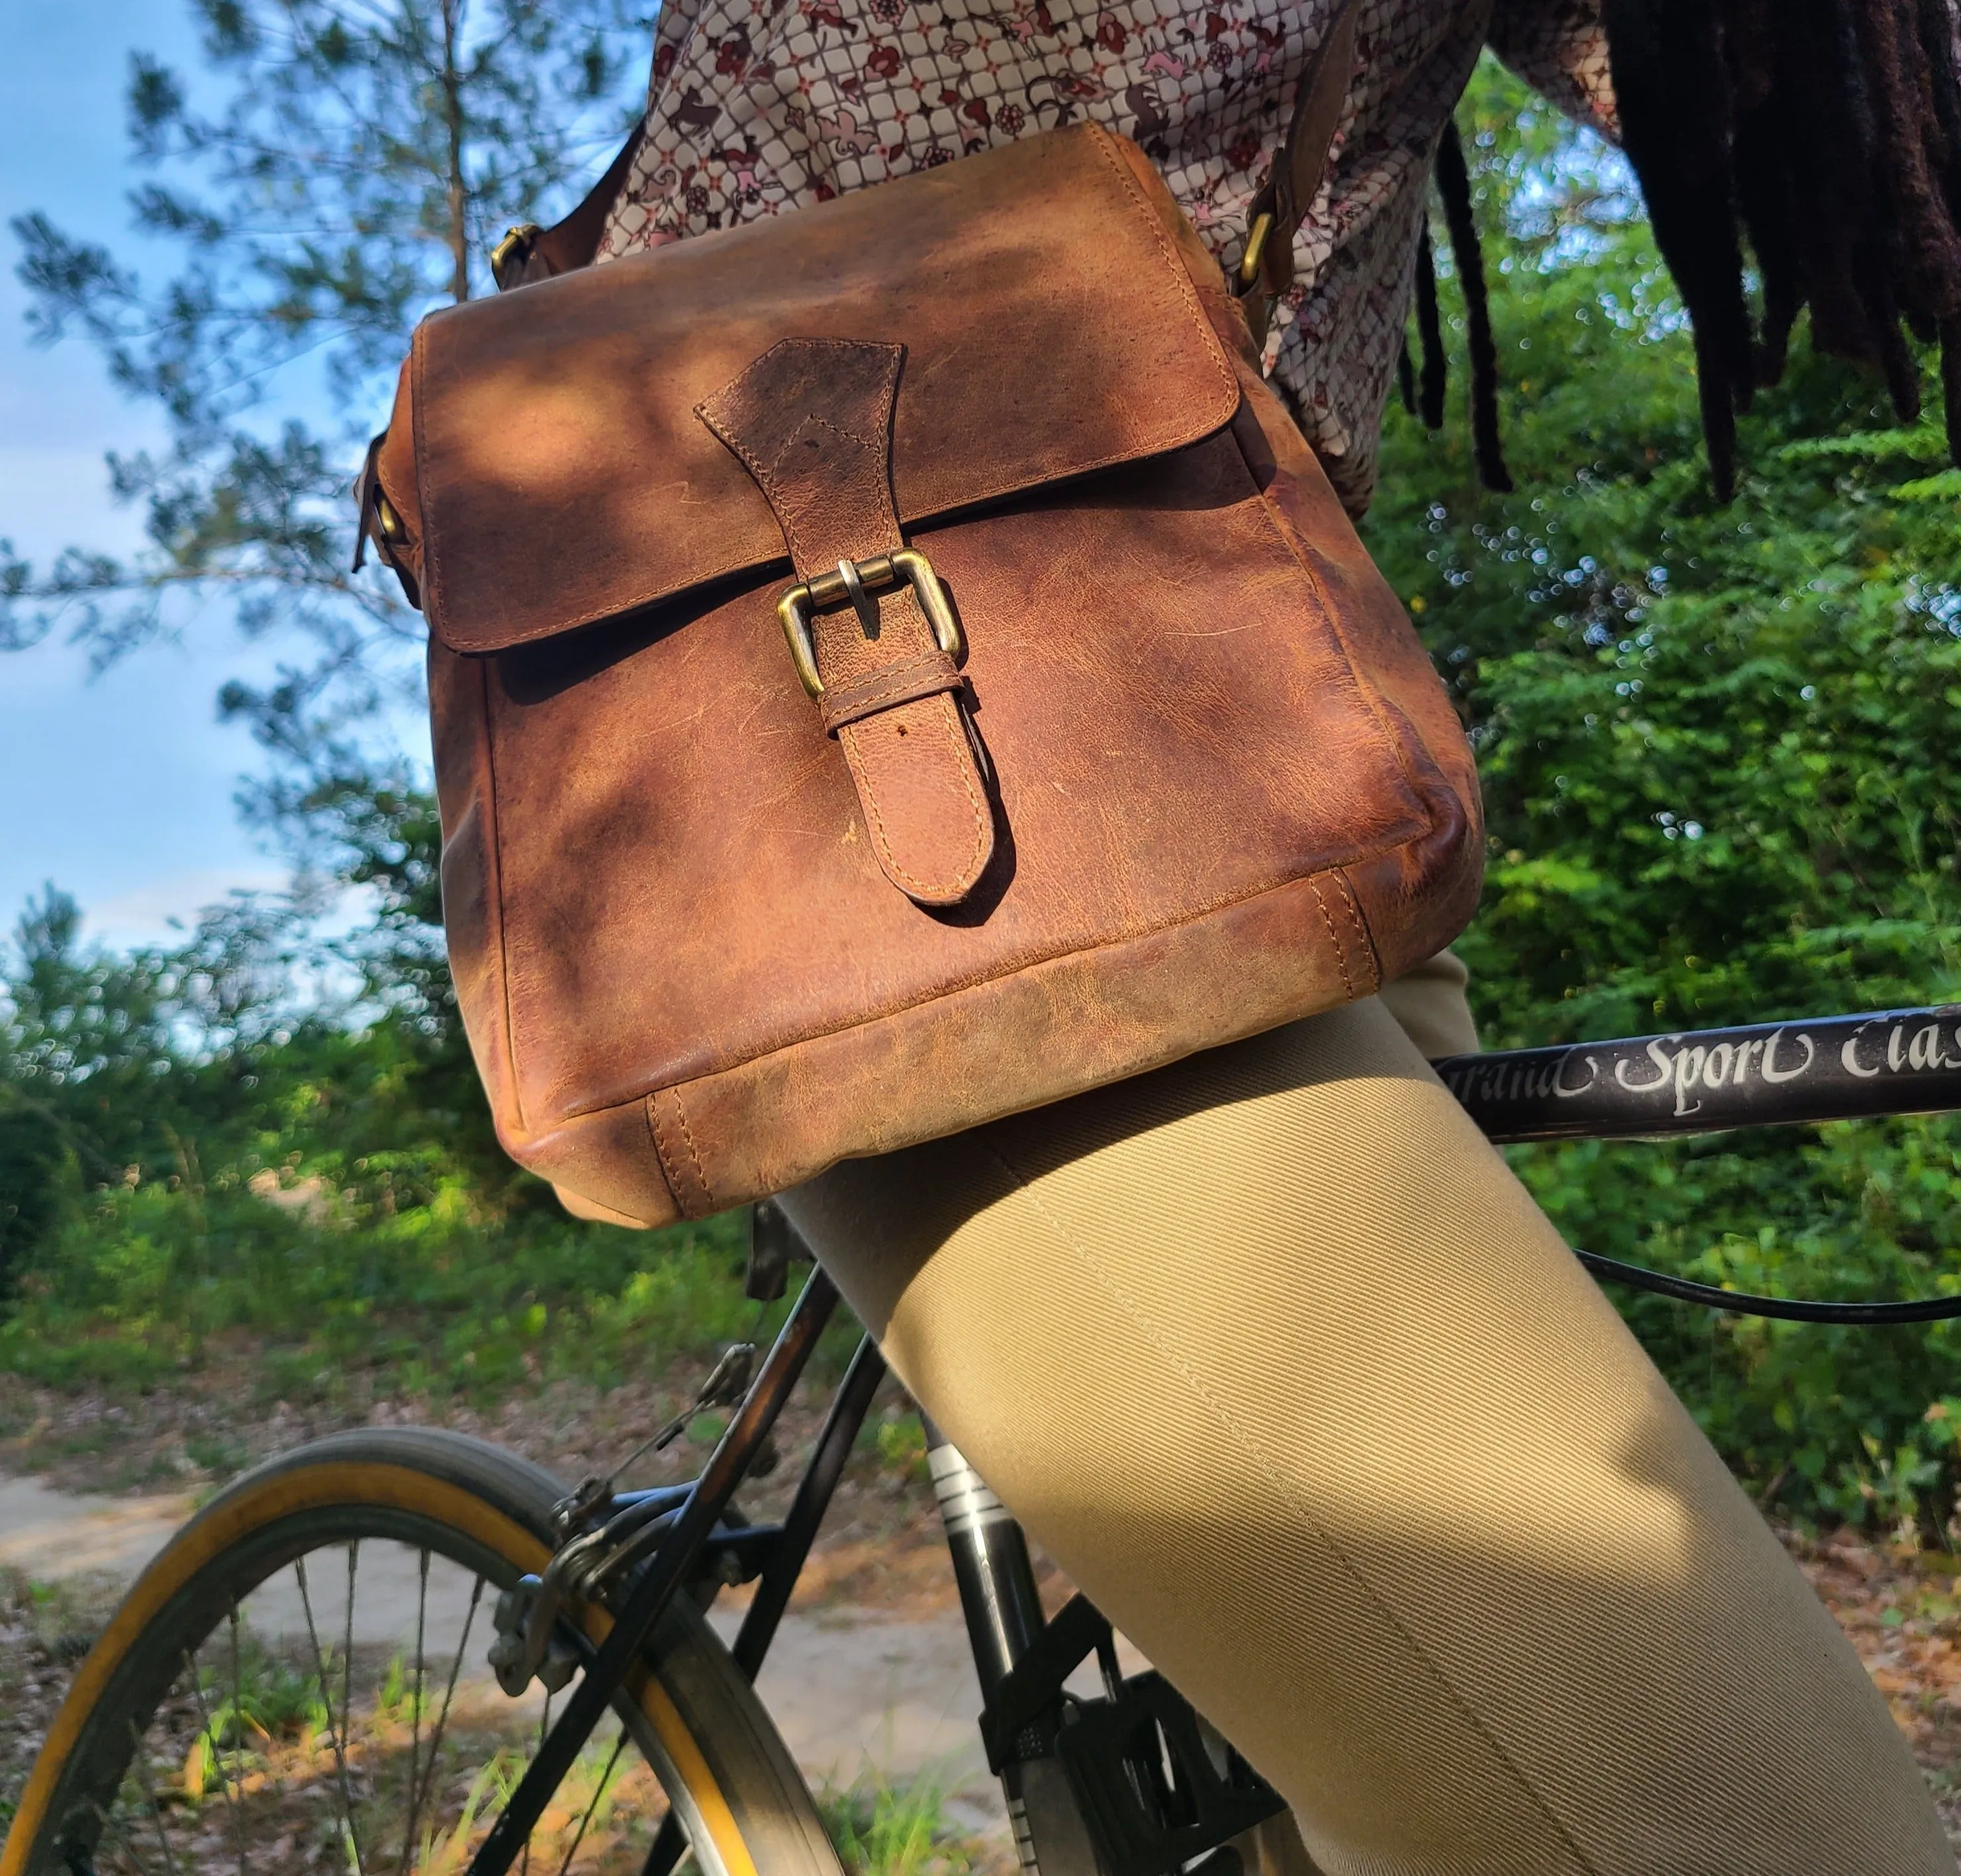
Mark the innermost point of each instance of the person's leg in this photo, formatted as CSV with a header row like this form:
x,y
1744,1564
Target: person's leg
x,y
1431,1007
1274,1356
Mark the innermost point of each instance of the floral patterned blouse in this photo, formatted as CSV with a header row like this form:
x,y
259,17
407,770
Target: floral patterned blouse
x,y
758,106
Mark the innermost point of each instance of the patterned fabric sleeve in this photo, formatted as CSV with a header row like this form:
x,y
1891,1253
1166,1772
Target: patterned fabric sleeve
x,y
758,107
1559,47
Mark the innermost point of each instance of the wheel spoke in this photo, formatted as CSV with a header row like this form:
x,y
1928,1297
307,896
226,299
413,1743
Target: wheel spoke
x,y
238,1728
347,1694
592,1803
415,1710
207,1733
140,1761
233,1681
109,1824
337,1739
443,1718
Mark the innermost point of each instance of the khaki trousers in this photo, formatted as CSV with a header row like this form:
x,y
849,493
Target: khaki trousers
x,y
1272,1354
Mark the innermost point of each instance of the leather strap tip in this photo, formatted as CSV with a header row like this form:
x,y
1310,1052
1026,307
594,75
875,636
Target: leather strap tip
x,y
944,896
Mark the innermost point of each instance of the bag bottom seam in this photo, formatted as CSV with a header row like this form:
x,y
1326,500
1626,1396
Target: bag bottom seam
x,y
1307,881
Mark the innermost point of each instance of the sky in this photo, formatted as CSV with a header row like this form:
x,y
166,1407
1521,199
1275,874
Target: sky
x,y
119,789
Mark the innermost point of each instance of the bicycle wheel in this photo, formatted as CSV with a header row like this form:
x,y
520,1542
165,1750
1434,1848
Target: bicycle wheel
x,y
298,1681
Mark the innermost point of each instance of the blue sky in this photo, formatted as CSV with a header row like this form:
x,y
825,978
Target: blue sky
x,y
119,788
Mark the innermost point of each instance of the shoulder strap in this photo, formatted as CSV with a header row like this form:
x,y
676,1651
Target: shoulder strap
x,y
1266,269
528,253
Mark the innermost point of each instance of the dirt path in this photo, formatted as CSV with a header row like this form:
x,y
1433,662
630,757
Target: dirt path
x,y
47,1535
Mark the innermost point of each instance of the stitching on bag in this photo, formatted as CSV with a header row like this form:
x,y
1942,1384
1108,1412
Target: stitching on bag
x,y
694,1156
1182,288
899,685
786,518
1334,939
1255,1450
1181,284
963,766
979,980
652,1120
1363,934
675,1174
426,482
884,839
668,1170
494,886
766,475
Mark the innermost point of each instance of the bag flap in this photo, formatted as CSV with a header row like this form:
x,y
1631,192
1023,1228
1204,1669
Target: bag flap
x,y
1050,328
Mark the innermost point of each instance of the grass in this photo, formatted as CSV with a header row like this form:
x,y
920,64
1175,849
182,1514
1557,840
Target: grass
x,y
885,1829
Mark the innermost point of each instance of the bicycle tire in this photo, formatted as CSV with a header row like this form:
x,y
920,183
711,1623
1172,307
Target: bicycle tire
x,y
693,1717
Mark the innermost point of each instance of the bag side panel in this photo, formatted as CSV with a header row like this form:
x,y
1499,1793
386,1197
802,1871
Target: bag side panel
x,y
1416,898
610,1156
472,908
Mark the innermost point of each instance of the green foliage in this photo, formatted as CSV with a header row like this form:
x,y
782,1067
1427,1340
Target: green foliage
x,y
881,1830
253,1694
199,1155
1713,742
412,1281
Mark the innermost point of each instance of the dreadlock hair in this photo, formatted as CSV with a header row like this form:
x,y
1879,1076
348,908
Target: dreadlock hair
x,y
1826,135
1453,187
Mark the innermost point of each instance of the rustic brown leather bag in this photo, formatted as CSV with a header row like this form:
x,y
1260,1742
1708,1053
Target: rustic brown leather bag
x,y
894,665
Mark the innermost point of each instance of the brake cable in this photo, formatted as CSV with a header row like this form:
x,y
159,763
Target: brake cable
x,y
1785,1309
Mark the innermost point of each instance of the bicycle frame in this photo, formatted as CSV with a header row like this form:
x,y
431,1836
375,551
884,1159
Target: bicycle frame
x,y
1766,1074
1083,1801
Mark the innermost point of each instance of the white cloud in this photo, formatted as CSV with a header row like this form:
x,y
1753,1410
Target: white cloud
x,y
143,915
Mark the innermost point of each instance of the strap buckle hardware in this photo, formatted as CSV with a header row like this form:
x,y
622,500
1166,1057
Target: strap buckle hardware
x,y
1261,226
512,252
854,584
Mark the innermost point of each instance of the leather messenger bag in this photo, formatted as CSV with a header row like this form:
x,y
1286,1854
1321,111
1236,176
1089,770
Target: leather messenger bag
x,y
894,665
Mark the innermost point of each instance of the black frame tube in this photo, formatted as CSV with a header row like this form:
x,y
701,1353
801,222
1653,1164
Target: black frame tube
x,y
1763,1074
848,1409
1809,1070
654,1586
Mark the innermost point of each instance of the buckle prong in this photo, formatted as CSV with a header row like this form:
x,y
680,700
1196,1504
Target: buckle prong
x,y
854,583
862,603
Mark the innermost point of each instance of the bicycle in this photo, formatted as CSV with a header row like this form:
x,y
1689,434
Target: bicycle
x,y
351,1750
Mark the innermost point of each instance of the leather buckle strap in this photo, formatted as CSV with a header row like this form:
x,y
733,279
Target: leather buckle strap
x,y
1294,176
855,581
811,421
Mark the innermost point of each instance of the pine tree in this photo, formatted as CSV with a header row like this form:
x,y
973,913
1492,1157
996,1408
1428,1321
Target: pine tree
x,y
360,158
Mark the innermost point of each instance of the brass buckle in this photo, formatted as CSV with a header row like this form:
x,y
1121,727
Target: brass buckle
x,y
1256,248
514,247
387,524
854,584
